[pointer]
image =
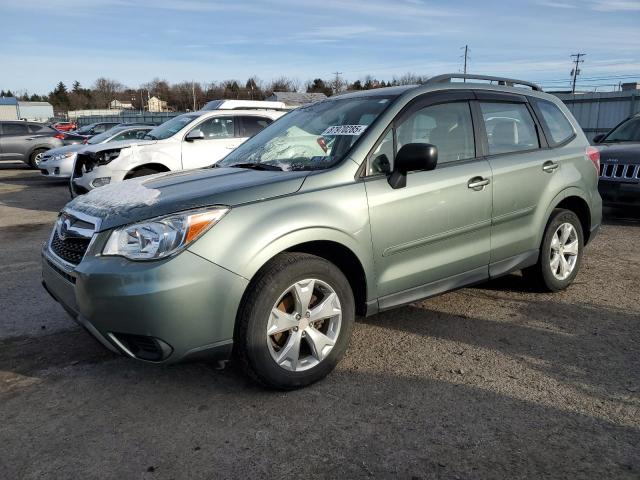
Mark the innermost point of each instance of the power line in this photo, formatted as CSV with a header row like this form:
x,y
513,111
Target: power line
x,y
576,70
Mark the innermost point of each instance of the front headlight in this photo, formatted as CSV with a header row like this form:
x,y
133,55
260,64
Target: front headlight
x,y
62,156
161,237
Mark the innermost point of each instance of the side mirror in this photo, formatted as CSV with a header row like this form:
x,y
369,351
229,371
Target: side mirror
x,y
598,138
410,158
195,134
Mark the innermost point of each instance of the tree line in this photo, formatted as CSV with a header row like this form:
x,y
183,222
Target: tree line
x,y
180,96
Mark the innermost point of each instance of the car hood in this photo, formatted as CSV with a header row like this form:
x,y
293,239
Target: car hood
x,y
165,193
115,145
66,149
620,152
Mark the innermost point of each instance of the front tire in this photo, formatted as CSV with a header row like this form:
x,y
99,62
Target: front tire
x,y
560,253
294,324
35,157
141,172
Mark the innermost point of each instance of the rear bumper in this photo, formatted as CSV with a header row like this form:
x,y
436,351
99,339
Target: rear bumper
x,y
185,306
618,193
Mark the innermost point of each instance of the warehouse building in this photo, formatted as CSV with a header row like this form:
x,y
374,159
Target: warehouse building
x,y
35,111
8,108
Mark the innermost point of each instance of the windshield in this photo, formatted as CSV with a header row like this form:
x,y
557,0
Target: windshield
x,y
628,131
171,127
102,137
86,128
310,138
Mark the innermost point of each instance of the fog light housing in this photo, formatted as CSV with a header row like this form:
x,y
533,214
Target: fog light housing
x,y
56,171
100,182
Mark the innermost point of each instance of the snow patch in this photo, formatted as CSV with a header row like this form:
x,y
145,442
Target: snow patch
x,y
116,197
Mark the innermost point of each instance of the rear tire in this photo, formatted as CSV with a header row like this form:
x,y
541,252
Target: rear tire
x,y
309,332
560,253
35,156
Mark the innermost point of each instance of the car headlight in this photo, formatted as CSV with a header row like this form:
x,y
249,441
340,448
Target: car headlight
x,y
162,237
62,156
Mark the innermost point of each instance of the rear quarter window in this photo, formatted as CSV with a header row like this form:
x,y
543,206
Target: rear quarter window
x,y
558,126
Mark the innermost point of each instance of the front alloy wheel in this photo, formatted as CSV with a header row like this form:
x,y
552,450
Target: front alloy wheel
x,y
304,325
295,320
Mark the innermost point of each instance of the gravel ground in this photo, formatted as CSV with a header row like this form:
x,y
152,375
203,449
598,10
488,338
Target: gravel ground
x,y
494,381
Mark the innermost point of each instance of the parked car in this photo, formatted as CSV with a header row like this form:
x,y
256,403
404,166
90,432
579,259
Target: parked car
x,y
85,133
192,140
58,162
64,126
243,105
620,164
270,254
27,141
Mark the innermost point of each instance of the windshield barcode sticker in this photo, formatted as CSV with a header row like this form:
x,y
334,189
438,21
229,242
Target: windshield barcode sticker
x,y
344,130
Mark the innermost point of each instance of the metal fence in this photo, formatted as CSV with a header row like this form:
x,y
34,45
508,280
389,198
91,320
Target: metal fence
x,y
129,117
600,112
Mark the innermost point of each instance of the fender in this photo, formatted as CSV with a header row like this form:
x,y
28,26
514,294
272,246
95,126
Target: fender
x,y
567,192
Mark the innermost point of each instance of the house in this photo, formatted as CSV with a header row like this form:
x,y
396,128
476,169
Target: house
x,y
118,105
156,105
296,99
8,108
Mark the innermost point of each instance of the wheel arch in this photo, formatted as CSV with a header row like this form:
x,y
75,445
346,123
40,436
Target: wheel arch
x,y
572,199
158,167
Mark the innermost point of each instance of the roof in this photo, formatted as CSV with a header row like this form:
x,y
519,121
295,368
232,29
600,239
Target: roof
x,y
8,101
34,104
297,98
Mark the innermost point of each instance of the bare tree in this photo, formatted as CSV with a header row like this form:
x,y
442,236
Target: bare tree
x,y
105,90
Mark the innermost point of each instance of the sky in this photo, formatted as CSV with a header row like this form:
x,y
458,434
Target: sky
x,y
133,41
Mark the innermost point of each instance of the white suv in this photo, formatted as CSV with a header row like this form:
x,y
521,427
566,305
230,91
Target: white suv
x,y
191,140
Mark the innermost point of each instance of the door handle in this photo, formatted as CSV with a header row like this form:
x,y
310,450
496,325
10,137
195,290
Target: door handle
x,y
478,183
550,167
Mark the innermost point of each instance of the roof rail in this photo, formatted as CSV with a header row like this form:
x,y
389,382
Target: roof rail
x,y
509,82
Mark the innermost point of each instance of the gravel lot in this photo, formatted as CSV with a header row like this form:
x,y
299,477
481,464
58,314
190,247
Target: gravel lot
x,y
488,382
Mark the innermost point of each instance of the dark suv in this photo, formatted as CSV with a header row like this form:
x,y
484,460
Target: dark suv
x,y
27,141
620,163
86,132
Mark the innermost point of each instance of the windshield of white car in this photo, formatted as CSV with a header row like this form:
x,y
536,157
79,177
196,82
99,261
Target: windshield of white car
x,y
171,127
628,131
315,137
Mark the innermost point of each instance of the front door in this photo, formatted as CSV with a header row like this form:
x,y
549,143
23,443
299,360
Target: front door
x,y
219,139
433,234
15,141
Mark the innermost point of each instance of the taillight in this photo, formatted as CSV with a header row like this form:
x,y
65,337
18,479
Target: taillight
x,y
594,155
59,136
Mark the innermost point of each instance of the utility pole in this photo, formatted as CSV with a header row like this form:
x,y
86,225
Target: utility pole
x,y
576,70
193,92
337,83
466,54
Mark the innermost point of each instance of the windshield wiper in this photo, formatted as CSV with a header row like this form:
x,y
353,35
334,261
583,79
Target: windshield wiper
x,y
256,166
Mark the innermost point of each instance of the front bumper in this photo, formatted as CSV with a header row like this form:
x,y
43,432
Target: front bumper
x,y
184,305
618,193
86,181
57,168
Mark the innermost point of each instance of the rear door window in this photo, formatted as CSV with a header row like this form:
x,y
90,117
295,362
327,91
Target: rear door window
x,y
14,129
558,126
253,125
509,126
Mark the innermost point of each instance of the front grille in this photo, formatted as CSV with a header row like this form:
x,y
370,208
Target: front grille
x,y
620,170
71,249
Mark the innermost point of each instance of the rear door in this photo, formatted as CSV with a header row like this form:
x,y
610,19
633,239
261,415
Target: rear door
x,y
220,138
433,234
16,141
523,171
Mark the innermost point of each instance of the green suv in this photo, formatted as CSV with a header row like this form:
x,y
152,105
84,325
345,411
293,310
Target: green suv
x,y
353,205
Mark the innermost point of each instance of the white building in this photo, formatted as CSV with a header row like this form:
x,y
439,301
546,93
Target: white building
x,y
35,111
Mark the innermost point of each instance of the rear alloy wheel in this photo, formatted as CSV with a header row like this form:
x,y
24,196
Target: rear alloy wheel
x,y
295,321
560,252
36,156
